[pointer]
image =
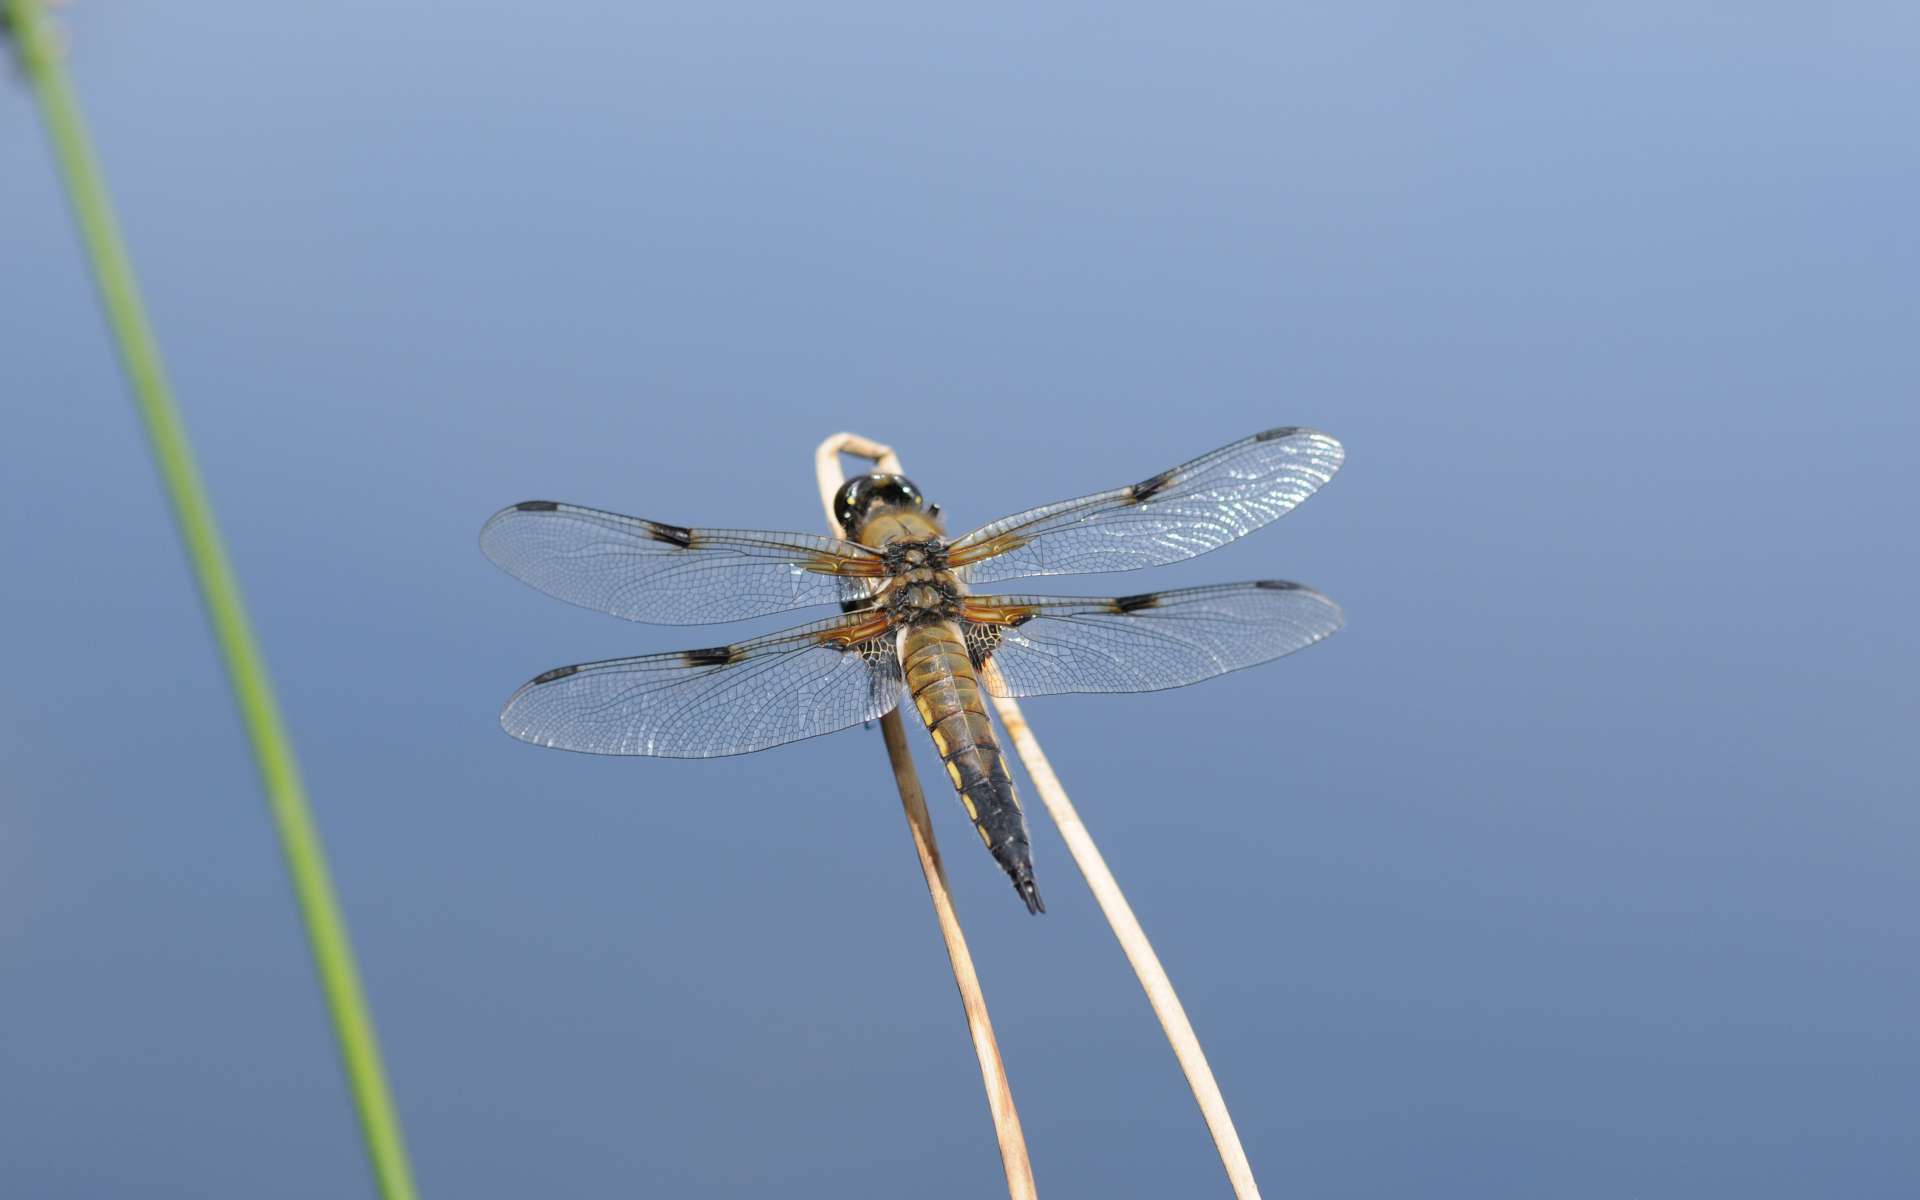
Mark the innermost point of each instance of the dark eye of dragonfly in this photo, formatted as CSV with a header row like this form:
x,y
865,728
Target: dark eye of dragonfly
x,y
861,494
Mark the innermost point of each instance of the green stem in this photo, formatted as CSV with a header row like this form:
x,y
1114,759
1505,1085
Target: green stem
x,y
220,591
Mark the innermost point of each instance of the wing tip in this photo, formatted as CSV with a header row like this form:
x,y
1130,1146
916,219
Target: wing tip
x,y
513,728
524,506
514,721
1287,585
1327,443
493,522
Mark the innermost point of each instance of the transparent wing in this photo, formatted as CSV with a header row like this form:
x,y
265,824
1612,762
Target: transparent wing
x,y
669,574
1176,514
1046,645
719,701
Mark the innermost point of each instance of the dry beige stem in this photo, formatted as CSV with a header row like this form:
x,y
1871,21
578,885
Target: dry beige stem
x,y
1086,855
993,1073
1133,940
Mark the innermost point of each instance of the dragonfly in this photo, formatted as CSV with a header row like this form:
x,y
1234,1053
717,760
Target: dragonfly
x,y
911,623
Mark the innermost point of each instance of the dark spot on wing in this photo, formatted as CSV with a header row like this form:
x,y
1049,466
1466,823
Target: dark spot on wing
x,y
1278,585
1127,604
677,535
536,506
713,656
1283,431
1148,488
556,673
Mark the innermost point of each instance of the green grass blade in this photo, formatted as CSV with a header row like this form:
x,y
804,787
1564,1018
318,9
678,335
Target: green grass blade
x,y
246,670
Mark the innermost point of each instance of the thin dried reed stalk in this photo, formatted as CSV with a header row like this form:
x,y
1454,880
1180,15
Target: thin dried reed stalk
x,y
1139,951
1093,867
993,1073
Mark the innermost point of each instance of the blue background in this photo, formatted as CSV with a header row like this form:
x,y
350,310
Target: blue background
x,y
1583,863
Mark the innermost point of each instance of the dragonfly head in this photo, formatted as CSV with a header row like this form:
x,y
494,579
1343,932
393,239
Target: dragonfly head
x,y
861,495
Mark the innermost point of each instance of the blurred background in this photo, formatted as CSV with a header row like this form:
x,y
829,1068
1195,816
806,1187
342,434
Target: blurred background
x,y
1582,863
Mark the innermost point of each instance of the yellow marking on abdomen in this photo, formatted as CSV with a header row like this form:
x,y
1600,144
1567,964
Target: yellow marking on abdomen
x,y
947,695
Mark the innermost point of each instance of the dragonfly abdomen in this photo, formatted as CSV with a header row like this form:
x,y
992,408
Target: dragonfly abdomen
x,y
946,693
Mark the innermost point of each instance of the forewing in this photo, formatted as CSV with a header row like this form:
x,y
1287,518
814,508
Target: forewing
x,y
669,574
1046,645
1177,514
718,701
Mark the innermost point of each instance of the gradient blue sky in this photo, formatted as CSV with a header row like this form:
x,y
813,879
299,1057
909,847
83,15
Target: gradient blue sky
x,y
1584,863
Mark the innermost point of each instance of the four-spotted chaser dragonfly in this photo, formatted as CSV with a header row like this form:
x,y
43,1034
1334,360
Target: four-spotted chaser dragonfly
x,y
910,622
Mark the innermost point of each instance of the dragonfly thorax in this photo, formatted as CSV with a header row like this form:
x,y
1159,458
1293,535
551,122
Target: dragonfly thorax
x,y
922,595
904,555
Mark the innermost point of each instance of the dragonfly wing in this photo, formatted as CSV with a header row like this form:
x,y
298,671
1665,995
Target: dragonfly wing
x,y
1048,645
670,574
718,701
1177,514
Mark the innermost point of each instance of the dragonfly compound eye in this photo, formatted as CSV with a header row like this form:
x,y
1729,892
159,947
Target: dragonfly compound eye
x,y
861,494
